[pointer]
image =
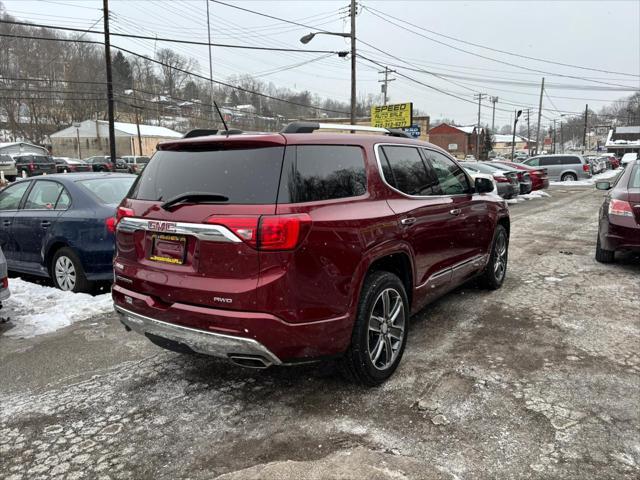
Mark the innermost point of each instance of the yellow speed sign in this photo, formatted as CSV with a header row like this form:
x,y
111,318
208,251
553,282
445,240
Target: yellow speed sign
x,y
392,116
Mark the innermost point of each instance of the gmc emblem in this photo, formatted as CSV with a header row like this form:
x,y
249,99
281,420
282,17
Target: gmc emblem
x,y
161,226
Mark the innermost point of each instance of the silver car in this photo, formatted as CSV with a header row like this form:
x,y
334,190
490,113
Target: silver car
x,y
8,167
563,167
4,280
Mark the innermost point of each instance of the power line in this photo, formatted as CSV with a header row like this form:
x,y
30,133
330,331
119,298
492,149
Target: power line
x,y
490,58
563,64
235,87
170,40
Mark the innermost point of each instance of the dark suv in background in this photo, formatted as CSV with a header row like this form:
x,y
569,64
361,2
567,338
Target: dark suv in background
x,y
295,247
33,164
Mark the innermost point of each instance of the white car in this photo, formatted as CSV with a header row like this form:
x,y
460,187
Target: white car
x,y
475,175
628,158
469,158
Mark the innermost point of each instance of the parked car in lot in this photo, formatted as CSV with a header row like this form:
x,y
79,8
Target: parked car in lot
x,y
597,164
132,164
71,165
564,167
507,183
628,158
611,161
5,293
486,176
61,226
33,164
619,225
539,177
284,248
8,167
100,163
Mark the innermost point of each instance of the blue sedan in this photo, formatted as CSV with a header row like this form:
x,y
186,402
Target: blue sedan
x,y
62,226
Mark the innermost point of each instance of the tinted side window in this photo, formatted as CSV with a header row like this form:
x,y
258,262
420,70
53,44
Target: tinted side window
x,y
549,161
10,197
533,162
325,172
404,169
569,161
43,196
451,177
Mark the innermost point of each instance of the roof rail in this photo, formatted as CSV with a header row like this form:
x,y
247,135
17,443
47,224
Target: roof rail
x,y
205,132
310,127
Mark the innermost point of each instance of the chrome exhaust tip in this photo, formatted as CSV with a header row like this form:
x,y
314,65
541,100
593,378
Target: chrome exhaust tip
x,y
250,361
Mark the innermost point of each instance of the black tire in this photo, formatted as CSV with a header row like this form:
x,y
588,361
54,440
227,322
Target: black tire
x,y
569,177
493,277
357,364
66,258
602,255
10,178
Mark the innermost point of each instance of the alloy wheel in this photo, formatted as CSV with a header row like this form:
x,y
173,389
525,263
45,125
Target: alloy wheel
x,y
65,273
386,329
500,262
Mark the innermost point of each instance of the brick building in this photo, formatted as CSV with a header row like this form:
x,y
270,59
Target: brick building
x,y
458,141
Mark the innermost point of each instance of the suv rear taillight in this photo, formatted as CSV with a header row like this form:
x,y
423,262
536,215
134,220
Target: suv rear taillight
x,y
31,167
5,282
586,168
123,212
621,208
501,179
268,232
110,223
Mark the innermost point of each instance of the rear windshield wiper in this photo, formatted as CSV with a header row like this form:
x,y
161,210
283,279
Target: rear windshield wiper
x,y
194,197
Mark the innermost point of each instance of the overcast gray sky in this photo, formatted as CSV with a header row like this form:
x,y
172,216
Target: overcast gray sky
x,y
602,35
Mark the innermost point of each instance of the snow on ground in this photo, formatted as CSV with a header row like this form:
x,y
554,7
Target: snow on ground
x,y
35,309
528,196
591,181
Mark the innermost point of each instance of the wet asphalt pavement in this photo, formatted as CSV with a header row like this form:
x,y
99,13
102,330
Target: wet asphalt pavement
x,y
540,379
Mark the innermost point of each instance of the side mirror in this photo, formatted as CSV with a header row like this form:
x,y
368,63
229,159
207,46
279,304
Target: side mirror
x,y
483,185
603,185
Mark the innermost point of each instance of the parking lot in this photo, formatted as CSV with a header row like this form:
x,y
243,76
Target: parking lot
x,y
539,379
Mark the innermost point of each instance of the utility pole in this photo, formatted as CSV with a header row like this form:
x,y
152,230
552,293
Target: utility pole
x,y
210,63
107,54
494,100
554,135
385,82
479,95
138,128
561,138
352,13
528,132
584,135
539,117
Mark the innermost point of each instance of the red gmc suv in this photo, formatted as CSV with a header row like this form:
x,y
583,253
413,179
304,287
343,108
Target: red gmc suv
x,y
292,247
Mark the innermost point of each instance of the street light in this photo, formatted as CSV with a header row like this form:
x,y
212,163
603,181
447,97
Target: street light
x,y
513,138
352,35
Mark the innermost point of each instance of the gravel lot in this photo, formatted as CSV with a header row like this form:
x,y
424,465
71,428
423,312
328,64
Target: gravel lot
x,y
540,379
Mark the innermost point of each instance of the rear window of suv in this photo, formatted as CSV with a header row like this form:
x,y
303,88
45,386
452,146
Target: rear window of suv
x,y
245,176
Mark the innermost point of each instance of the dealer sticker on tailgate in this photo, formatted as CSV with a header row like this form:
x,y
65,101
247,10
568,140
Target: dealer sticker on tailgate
x,y
168,248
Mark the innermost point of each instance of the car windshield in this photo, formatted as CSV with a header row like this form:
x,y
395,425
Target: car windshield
x,y
109,191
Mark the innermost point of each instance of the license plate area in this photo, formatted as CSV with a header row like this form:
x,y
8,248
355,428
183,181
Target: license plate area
x,y
168,248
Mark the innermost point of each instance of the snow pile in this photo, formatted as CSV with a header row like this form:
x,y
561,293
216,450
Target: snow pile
x,y
528,196
35,309
609,174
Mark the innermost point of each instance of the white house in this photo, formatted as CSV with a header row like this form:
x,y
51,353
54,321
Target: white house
x,y
91,137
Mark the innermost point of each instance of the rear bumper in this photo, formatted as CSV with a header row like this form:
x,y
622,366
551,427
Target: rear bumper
x,y
617,237
5,293
207,343
286,342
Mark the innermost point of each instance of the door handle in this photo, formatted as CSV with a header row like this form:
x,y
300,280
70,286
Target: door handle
x,y
455,211
45,223
6,223
408,221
